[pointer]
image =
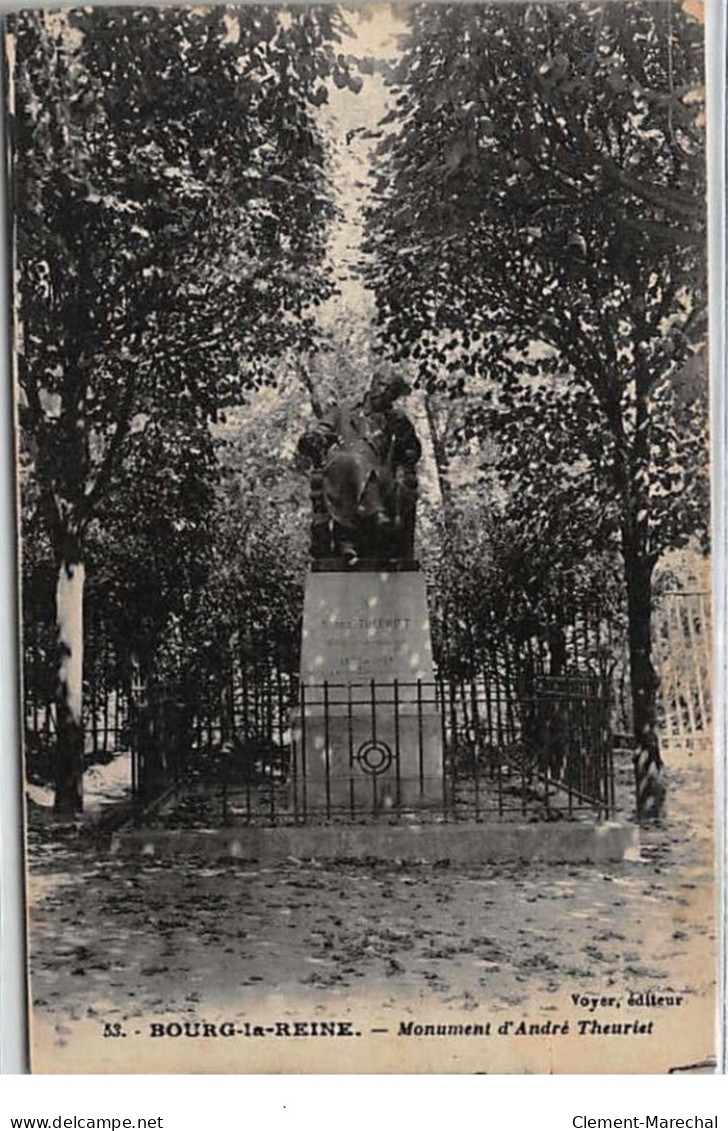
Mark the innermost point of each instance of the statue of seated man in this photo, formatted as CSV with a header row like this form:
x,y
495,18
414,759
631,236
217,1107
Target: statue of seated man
x,y
364,479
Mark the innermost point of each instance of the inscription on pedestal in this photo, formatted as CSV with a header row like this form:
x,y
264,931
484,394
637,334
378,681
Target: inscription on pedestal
x,y
363,626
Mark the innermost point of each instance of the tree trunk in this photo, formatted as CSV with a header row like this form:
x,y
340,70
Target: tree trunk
x,y
638,564
69,689
647,761
442,463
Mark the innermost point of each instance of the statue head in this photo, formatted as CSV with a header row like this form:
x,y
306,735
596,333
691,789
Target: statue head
x,y
384,390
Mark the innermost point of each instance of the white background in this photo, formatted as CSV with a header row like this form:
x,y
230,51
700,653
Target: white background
x,y
415,1103
350,1102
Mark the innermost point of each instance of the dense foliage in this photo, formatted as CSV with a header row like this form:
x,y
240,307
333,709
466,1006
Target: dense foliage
x,y
170,212
538,235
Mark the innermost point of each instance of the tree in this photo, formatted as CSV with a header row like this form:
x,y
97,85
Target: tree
x,y
511,581
539,221
169,216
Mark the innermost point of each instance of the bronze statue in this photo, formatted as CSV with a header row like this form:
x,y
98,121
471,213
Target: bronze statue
x,y
363,478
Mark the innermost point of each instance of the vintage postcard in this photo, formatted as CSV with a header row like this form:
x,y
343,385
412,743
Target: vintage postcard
x,y
360,372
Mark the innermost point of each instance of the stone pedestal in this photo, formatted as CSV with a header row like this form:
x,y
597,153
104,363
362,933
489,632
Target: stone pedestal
x,y
369,728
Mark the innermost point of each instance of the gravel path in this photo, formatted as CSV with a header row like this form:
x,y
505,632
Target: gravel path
x,y
132,944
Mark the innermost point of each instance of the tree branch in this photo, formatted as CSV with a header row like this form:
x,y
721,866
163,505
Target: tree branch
x,y
94,494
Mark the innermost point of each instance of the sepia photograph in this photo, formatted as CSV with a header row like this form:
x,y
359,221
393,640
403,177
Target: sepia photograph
x,y
359,362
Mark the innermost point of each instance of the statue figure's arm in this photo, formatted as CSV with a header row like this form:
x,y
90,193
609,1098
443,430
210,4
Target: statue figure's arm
x,y
316,440
407,447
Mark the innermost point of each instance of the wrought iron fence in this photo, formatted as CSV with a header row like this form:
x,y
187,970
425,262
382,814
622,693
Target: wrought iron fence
x,y
108,724
684,662
391,752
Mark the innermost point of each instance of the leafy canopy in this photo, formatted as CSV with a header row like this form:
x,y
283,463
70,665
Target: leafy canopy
x,y
171,209
537,237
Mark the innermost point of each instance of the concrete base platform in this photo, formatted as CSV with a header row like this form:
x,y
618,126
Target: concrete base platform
x,y
557,842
